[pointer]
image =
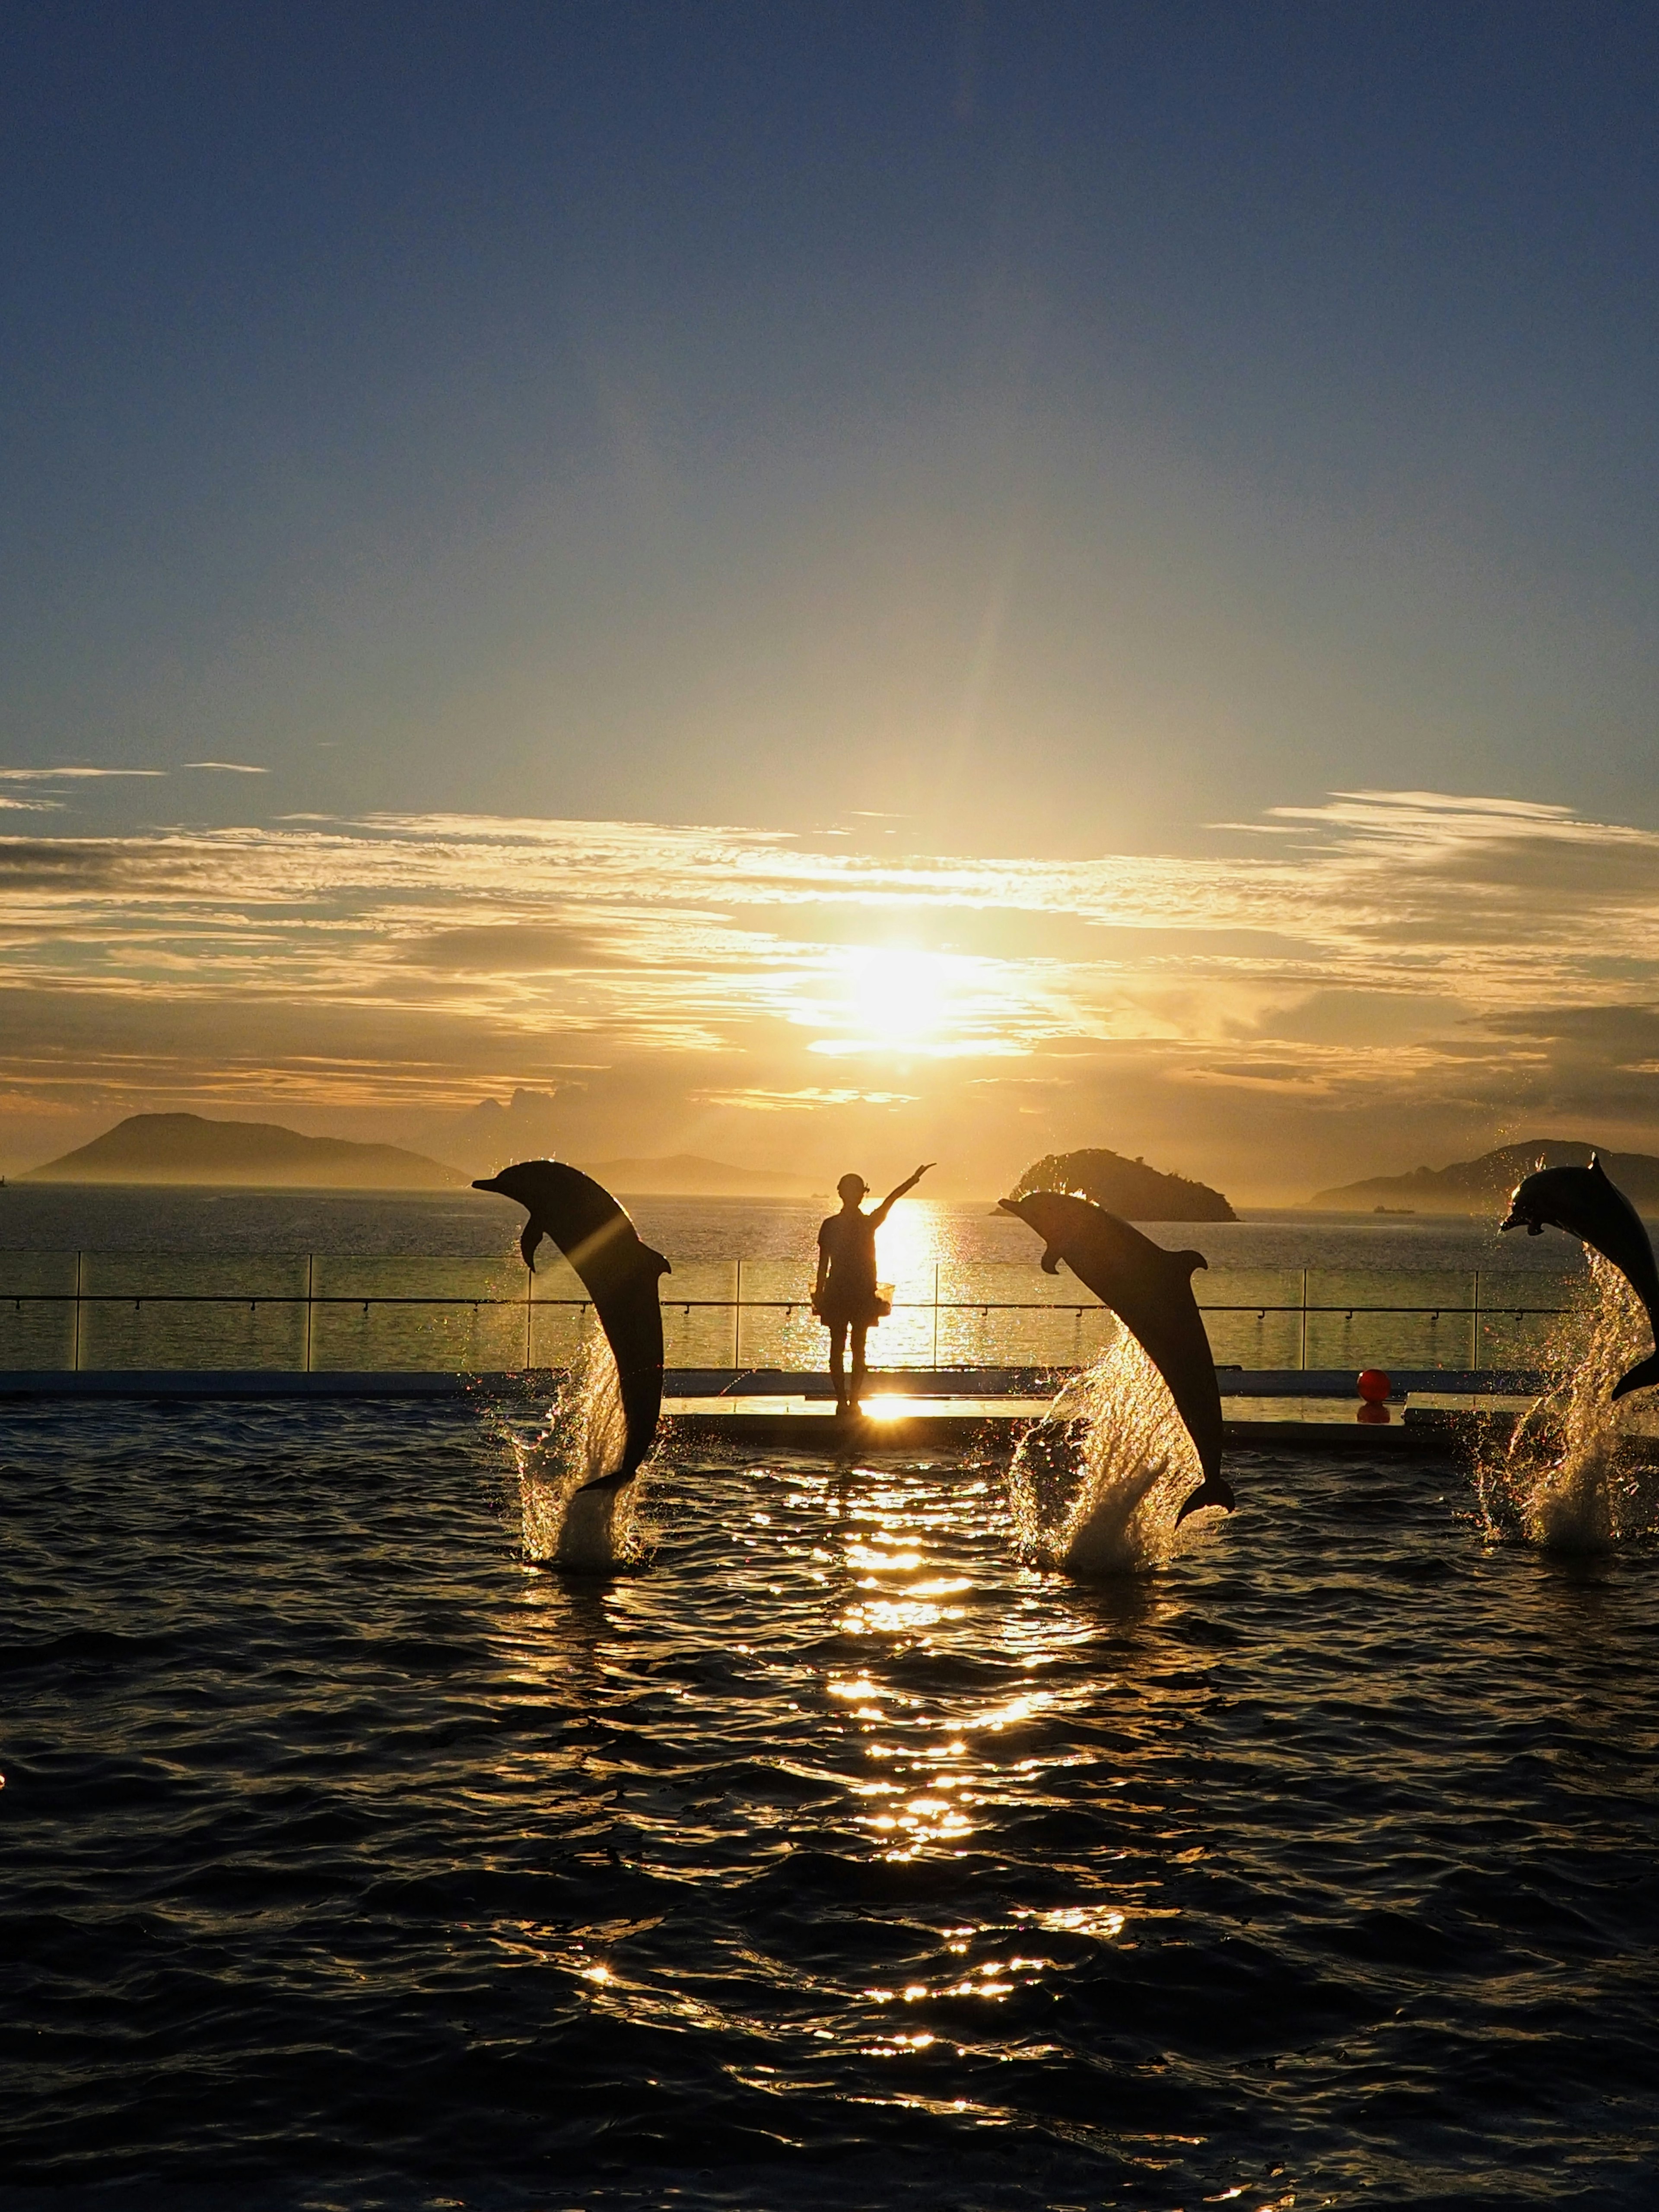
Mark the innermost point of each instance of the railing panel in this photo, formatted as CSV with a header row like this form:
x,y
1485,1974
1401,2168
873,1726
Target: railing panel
x,y
699,1320
464,1314
1252,1315
37,1336
191,1311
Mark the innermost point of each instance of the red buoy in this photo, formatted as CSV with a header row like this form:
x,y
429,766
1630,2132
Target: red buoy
x,y
1373,1386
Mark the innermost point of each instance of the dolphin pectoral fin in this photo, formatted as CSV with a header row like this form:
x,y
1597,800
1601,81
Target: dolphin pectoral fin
x,y
1190,1261
1050,1261
611,1482
533,1233
1642,1376
1214,1490
662,1265
1535,1229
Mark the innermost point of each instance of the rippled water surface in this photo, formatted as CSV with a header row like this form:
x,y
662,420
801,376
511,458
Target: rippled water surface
x,y
834,1859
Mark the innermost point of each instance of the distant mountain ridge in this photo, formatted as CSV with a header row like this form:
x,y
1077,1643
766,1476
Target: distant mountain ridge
x,y
1128,1188
1481,1185
188,1148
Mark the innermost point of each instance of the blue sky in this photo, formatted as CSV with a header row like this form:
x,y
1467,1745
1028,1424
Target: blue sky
x,y
1014,434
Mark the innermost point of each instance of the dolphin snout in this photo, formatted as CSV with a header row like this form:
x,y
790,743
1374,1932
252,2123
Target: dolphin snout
x,y
488,1183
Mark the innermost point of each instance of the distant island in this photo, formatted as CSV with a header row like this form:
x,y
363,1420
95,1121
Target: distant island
x,y
1128,1188
684,1175
1480,1186
188,1148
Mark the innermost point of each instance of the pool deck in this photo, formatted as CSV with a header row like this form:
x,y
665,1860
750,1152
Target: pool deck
x,y
1432,1409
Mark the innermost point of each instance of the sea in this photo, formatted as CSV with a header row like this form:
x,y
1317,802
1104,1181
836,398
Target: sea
x,y
839,1846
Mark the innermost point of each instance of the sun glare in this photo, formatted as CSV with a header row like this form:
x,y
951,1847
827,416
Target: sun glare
x,y
895,996
886,1409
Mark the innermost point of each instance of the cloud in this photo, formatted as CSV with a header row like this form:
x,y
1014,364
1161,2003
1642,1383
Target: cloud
x,y
505,949
70,775
1387,960
229,767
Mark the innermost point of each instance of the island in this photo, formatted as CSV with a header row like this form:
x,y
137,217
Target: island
x,y
1125,1187
189,1148
1482,1185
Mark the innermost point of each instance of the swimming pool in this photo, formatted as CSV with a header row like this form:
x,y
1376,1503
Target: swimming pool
x,y
834,1859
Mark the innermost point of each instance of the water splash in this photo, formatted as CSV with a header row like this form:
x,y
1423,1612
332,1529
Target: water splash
x,y
1096,1485
594,1532
1566,1481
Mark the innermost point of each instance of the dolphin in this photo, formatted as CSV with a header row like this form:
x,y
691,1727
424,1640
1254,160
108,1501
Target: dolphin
x,y
1588,1205
1150,1291
620,1274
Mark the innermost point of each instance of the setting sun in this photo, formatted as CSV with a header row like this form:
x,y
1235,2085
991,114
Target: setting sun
x,y
896,994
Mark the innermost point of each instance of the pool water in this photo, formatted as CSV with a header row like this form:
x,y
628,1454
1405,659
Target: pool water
x,y
834,1858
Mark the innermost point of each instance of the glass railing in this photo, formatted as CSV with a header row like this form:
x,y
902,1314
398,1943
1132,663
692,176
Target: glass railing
x,y
335,1312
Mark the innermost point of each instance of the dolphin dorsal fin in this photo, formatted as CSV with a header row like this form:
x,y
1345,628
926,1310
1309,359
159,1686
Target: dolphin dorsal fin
x,y
1596,1166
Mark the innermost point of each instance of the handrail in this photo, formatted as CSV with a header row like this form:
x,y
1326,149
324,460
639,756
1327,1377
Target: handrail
x,y
687,1305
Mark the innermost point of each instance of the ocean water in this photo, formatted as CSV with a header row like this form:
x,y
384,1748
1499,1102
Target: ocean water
x,y
921,1232
836,1856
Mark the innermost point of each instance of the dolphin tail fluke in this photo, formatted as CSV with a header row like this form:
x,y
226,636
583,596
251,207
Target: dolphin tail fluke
x,y
1214,1490
1642,1376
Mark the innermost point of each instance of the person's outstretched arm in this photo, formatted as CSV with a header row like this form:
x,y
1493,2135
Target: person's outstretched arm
x,y
909,1183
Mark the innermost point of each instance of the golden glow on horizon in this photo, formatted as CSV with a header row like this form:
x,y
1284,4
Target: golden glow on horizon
x,y
1389,955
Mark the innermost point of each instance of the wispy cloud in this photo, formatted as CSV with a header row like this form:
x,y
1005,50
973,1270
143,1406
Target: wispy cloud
x,y
70,775
229,767
1386,953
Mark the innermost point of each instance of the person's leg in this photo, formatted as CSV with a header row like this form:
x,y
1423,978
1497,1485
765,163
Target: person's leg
x,y
860,1330
838,1363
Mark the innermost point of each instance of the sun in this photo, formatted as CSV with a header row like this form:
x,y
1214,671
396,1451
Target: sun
x,y
895,996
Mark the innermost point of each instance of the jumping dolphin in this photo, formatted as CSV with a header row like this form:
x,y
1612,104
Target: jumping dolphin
x,y
1150,1291
618,1271
1588,1205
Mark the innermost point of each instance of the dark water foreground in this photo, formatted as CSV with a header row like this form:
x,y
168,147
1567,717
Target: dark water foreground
x,y
834,1861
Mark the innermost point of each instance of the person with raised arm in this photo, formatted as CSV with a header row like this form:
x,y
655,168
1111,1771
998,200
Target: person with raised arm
x,y
846,1297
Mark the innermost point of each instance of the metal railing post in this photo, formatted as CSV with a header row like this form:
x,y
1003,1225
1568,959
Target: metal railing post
x,y
936,1317
311,1268
80,1261
529,1315
1304,1321
1475,1328
736,1320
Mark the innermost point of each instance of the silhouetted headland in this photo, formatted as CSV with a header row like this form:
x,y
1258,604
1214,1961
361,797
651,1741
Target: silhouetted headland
x,y
1481,1186
188,1148
1128,1188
